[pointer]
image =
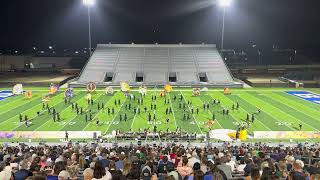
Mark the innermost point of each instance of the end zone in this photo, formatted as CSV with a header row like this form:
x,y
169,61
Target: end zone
x,y
5,94
308,96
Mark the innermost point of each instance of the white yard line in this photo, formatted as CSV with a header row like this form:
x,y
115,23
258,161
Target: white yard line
x,y
34,107
51,118
134,117
266,111
19,106
77,114
174,117
114,117
247,113
191,113
98,113
296,110
211,113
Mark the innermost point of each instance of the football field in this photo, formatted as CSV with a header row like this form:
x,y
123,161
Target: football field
x,y
281,110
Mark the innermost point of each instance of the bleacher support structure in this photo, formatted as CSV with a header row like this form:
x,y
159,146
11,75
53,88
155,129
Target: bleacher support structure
x,y
193,65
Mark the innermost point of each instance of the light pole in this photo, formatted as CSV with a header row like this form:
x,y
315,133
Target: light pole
x,y
89,3
224,4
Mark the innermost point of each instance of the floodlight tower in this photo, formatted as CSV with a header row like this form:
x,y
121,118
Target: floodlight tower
x,y
89,3
224,4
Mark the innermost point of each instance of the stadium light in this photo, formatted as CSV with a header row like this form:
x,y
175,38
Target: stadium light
x,y
89,3
224,4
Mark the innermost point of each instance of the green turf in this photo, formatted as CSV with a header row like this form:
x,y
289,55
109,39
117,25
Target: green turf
x,y
280,111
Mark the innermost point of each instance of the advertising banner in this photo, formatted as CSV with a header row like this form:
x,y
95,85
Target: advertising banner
x,y
286,135
48,134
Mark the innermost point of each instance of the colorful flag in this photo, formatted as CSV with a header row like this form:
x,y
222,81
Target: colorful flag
x,y
124,86
17,89
53,88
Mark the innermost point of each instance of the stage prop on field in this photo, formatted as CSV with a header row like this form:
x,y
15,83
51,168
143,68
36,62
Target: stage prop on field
x,y
109,90
88,96
17,89
68,93
91,87
124,87
204,89
242,135
168,88
210,123
227,91
46,99
53,88
143,90
28,94
162,93
196,92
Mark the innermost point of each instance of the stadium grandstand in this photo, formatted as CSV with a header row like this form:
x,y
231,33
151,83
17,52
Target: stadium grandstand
x,y
179,65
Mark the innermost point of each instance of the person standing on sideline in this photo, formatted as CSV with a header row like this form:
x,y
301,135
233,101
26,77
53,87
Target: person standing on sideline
x,y
66,136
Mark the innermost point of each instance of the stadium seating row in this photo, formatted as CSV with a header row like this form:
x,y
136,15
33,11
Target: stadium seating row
x,y
152,64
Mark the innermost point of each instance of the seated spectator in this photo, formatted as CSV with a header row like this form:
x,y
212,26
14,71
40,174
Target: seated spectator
x,y
5,172
119,162
290,160
267,174
254,174
88,174
112,167
43,161
214,173
177,159
221,164
134,172
64,175
195,168
173,173
146,171
23,171
282,170
198,175
297,172
73,172
100,173
117,175
314,171
57,168
184,169
105,161
163,166
194,159
126,168
35,169
248,168
203,166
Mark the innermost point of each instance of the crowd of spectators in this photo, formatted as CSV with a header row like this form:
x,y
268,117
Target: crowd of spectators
x,y
167,162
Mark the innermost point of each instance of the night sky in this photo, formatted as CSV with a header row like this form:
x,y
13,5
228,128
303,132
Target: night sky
x,y
63,23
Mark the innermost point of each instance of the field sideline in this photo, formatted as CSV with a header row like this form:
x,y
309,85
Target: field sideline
x,y
279,111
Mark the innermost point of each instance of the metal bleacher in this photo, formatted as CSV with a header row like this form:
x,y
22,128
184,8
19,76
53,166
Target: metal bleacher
x,y
154,63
